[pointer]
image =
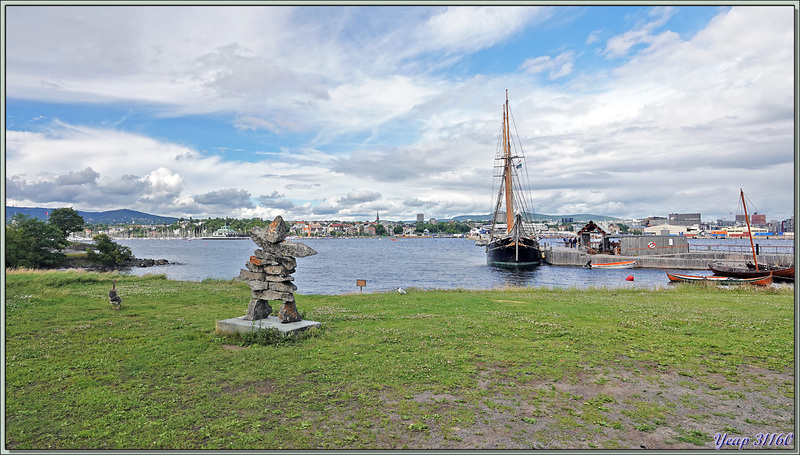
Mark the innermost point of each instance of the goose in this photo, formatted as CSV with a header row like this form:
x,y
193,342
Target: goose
x,y
113,297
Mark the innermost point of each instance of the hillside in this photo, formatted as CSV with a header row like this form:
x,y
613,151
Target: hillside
x,y
122,216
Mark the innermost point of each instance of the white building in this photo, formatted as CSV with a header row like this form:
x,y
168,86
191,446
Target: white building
x,y
673,230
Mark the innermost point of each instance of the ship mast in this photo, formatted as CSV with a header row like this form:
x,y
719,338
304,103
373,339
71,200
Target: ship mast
x,y
507,170
749,234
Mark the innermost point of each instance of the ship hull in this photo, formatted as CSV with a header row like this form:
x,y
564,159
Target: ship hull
x,y
757,281
785,273
507,252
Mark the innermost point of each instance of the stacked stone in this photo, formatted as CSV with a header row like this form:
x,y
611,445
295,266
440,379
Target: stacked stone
x,y
269,272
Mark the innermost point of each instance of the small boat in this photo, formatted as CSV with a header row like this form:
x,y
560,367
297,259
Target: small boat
x,y
516,246
226,233
612,265
785,274
724,280
749,271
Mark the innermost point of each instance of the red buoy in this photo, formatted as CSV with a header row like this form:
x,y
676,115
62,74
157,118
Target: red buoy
x,y
630,278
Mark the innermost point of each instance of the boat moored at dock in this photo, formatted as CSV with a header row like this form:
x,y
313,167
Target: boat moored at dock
x,y
612,265
516,245
226,233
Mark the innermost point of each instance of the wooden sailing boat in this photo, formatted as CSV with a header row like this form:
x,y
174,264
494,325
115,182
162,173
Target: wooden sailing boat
x,y
511,245
725,280
751,270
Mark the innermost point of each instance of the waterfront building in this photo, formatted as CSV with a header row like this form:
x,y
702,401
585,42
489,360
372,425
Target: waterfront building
x,y
741,231
684,219
670,229
758,219
655,221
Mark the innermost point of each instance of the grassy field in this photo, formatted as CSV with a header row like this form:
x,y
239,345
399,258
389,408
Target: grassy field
x,y
523,368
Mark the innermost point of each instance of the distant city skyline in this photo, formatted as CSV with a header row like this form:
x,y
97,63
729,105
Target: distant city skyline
x,y
340,112
680,219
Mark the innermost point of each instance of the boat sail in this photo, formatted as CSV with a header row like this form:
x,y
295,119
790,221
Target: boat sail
x,y
514,244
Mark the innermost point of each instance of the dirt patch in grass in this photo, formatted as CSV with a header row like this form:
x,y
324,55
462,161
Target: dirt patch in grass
x,y
430,397
231,347
615,409
260,387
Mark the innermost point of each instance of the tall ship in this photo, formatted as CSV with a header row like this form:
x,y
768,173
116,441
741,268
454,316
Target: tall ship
x,y
513,241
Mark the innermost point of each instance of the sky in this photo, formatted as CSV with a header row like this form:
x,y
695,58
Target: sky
x,y
348,112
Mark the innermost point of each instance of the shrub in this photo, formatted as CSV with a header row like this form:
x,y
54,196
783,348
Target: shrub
x,y
67,220
33,243
108,251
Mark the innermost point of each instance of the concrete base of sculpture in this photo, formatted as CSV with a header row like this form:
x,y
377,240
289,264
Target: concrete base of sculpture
x,y
240,325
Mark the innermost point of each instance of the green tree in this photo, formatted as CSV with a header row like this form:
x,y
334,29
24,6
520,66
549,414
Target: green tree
x,y
33,243
67,220
398,229
108,251
380,229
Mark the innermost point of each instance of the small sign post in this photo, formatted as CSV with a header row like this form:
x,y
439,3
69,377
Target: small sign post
x,y
361,284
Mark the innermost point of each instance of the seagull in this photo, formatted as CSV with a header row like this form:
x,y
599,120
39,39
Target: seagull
x,y
401,291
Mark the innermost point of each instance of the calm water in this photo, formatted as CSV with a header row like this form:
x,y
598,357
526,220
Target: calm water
x,y
425,263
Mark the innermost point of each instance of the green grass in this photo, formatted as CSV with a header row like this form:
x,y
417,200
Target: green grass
x,y
438,369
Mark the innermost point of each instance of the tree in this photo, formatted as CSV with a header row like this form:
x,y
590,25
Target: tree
x,y
380,229
108,251
398,229
33,243
67,220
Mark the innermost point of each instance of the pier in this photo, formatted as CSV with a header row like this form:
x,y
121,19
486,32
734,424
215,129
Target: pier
x,y
688,261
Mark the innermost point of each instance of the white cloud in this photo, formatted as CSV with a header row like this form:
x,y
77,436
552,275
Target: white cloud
x,y
359,196
472,28
163,184
557,67
620,45
375,111
593,37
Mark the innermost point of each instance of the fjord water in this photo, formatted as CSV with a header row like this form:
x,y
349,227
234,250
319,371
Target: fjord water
x,y
423,263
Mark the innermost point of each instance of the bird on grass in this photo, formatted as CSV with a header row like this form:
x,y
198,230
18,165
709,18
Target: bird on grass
x,y
113,297
401,291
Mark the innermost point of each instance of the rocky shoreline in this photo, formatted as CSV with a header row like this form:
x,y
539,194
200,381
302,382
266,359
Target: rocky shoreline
x,y
83,263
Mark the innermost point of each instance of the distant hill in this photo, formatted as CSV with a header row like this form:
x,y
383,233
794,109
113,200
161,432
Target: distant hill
x,y
580,217
122,216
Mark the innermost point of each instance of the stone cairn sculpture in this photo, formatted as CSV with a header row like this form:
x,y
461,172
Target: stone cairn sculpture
x,y
269,272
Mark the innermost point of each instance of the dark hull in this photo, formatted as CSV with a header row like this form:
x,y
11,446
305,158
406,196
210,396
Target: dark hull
x,y
510,253
744,272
